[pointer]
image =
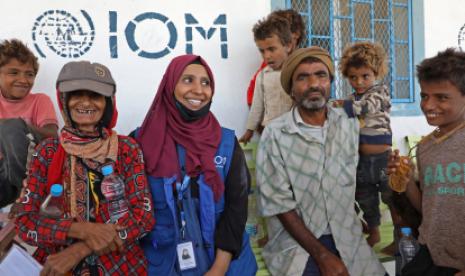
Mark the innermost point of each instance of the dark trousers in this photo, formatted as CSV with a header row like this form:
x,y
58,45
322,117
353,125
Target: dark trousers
x,y
311,268
15,142
372,180
422,265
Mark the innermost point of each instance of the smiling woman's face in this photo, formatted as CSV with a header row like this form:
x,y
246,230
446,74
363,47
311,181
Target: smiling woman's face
x,y
193,89
86,109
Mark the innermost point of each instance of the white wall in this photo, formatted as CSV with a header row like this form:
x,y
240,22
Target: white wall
x,y
443,21
137,77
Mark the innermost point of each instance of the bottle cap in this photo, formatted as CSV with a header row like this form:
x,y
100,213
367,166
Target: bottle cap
x,y
106,170
406,231
56,190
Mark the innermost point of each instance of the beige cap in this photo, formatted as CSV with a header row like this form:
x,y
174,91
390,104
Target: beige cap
x,y
83,75
296,58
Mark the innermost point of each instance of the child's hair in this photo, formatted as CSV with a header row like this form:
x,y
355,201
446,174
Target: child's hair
x,y
14,48
448,65
296,22
362,54
266,28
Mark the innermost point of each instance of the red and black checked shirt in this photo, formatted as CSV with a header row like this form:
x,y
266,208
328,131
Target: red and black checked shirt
x,y
49,235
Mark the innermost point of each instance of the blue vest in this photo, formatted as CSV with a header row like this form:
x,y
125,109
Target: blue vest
x,y
201,215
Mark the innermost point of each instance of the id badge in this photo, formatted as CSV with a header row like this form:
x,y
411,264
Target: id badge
x,y
186,256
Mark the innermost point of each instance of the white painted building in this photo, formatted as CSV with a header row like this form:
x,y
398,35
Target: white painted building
x,y
136,39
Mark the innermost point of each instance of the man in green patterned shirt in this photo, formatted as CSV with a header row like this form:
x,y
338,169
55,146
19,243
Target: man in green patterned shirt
x,y
306,165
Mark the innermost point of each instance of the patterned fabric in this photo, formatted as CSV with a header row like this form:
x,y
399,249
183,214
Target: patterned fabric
x,y
298,172
49,235
441,172
269,100
372,108
94,150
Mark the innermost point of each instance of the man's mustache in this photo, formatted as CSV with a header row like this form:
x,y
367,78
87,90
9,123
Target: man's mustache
x,y
312,90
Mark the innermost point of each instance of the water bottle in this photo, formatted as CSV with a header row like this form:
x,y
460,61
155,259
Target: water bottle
x,y
113,189
408,246
251,227
52,207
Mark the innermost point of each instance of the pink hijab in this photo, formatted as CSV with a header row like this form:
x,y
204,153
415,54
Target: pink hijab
x,y
164,127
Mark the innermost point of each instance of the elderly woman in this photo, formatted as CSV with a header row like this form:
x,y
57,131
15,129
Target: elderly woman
x,y
199,179
84,240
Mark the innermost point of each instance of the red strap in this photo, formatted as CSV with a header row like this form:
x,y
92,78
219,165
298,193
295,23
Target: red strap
x,y
55,169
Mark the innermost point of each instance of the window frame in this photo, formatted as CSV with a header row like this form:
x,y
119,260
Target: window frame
x,y
401,107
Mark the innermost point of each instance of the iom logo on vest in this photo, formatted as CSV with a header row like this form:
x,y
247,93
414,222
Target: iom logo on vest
x,y
220,161
445,180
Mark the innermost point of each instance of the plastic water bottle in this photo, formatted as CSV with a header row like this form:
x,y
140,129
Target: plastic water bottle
x,y
408,246
52,207
113,189
251,227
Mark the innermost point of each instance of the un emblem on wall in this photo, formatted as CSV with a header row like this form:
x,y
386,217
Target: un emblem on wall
x,y
63,33
461,38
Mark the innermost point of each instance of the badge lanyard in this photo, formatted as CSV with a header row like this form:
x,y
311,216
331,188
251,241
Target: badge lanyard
x,y
181,189
185,249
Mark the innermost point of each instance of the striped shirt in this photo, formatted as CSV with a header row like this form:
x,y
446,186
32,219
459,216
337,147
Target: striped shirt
x,y
372,109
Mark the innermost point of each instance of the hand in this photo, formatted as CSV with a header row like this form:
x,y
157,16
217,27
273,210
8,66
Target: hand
x,y
460,273
23,191
400,170
338,103
64,261
16,207
100,238
221,264
331,265
393,162
246,137
213,272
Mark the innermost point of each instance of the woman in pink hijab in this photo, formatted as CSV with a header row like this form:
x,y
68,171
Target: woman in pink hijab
x,y
198,177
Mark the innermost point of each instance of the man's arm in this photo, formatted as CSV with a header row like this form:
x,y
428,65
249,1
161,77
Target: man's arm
x,y
49,130
327,262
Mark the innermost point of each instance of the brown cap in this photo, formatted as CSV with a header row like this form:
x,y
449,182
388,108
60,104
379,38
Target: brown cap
x,y
296,58
83,75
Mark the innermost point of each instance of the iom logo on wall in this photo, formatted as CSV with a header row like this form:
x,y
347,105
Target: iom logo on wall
x,y
63,33
71,36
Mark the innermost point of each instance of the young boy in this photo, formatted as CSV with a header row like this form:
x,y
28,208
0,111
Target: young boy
x,y
25,118
363,64
297,26
441,161
273,40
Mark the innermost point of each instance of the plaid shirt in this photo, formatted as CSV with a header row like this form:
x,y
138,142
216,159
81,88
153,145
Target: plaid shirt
x,y
50,235
315,178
